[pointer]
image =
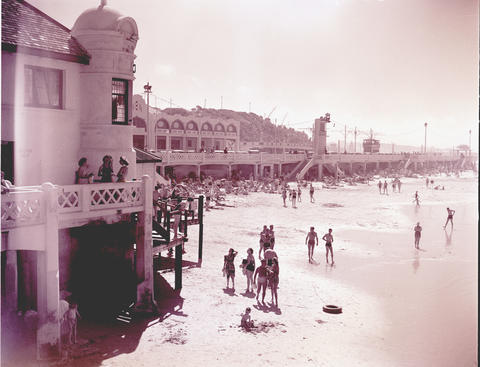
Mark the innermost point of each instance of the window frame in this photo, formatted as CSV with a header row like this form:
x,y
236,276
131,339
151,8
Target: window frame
x,y
36,103
125,95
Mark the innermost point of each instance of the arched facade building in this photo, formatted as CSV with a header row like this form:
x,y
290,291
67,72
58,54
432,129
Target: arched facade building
x,y
183,131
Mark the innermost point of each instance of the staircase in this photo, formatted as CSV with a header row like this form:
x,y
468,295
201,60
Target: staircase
x,y
305,168
407,163
297,169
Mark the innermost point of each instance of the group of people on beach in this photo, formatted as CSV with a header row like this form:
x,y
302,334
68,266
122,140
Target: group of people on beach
x,y
312,240
84,175
383,187
264,276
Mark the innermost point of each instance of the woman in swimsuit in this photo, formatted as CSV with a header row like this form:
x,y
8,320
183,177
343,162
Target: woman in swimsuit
x,y
261,271
249,269
273,280
229,267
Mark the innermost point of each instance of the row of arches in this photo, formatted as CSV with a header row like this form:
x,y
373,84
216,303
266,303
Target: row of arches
x,y
190,126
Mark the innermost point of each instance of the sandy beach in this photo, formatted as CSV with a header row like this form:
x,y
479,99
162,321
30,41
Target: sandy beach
x,y
401,306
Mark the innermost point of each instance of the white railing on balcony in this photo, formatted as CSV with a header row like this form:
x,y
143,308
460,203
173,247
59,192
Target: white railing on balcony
x,y
26,206
228,158
84,198
23,207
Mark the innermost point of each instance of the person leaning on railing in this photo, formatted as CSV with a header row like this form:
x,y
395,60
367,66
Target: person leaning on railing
x,y
6,184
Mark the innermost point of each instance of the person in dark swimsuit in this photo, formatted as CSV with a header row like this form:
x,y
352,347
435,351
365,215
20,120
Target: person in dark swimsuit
x,y
328,238
272,236
312,190
418,234
229,267
450,212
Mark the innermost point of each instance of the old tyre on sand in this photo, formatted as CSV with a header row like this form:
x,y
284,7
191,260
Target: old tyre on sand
x,y
332,309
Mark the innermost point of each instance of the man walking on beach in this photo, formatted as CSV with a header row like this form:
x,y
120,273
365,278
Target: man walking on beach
x,y
328,238
312,190
450,212
311,239
385,187
418,234
380,187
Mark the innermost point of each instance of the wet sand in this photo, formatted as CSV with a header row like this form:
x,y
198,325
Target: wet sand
x,y
401,306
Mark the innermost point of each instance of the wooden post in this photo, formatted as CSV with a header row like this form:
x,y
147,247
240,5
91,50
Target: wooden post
x,y
178,266
200,230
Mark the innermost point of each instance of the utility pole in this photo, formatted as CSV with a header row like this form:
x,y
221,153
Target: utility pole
x,y
205,103
147,88
425,146
221,102
469,142
345,141
249,107
355,140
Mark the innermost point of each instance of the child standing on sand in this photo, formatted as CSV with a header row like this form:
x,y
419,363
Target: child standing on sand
x,y
72,315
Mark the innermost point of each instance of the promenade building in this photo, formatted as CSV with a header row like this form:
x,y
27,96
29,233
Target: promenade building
x,y
178,129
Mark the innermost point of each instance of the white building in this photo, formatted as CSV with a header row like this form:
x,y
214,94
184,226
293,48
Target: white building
x,y
66,95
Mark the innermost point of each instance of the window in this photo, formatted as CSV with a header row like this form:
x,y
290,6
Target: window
x,y
43,87
139,141
120,101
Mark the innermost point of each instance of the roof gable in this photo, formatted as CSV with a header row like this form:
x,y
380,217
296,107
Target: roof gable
x,y
26,29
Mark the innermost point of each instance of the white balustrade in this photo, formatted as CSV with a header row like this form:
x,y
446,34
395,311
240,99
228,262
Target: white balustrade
x,y
23,208
102,196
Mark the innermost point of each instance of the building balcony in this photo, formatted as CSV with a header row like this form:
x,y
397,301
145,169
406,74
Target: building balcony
x,y
72,205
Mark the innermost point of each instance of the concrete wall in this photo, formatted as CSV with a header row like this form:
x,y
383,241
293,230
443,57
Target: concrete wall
x,y
46,141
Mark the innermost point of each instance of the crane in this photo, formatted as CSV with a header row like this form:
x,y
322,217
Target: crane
x,y
274,108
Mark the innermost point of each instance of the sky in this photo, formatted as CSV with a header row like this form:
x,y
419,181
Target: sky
x,y
389,65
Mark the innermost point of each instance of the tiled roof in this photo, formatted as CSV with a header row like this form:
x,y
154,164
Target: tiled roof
x,y
27,29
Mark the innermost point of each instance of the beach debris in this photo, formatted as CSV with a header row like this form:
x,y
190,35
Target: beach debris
x,y
332,205
332,309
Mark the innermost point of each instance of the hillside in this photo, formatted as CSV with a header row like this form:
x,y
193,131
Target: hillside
x,y
252,126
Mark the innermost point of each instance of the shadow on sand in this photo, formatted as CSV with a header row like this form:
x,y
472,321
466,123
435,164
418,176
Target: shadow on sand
x,y
98,342
267,307
230,292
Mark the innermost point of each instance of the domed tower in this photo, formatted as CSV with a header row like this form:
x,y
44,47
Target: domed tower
x,y
106,85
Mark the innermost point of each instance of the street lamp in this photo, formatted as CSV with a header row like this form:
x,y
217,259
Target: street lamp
x,y
147,88
425,146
